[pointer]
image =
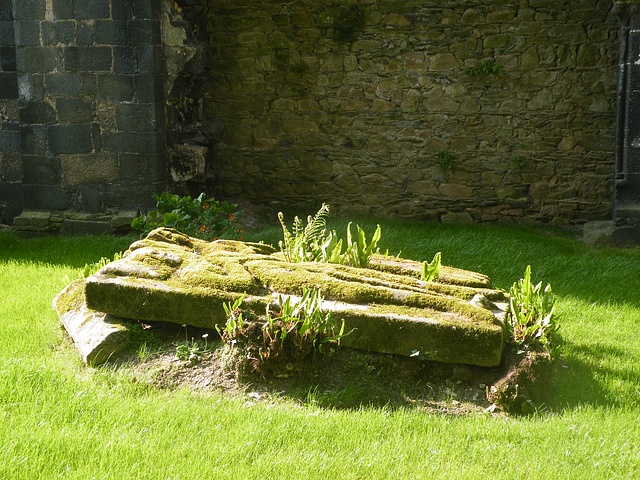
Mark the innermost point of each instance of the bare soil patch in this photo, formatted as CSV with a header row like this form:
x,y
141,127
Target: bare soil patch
x,y
346,378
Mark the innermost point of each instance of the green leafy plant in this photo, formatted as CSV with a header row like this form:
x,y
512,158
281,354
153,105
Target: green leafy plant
x,y
430,271
517,162
91,268
530,318
200,217
313,243
358,253
292,331
310,243
444,159
486,68
191,350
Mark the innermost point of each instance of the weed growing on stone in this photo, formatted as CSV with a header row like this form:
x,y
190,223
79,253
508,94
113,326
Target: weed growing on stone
x,y
530,317
91,268
444,159
312,243
517,162
430,271
358,253
201,217
289,332
191,350
487,68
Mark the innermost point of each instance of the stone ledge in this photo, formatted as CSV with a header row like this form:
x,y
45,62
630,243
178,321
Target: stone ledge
x,y
31,222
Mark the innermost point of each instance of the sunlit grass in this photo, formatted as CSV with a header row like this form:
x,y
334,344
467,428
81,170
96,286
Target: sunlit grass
x,y
60,419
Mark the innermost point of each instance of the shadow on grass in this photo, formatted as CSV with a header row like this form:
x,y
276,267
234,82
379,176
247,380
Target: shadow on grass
x,y
72,252
582,380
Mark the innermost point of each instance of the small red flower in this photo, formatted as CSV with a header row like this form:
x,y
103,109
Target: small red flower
x,y
241,238
231,217
202,228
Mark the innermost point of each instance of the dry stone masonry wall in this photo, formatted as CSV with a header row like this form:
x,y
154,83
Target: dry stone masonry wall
x,y
450,110
382,107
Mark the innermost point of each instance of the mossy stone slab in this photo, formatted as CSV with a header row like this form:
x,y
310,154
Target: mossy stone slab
x,y
171,277
96,335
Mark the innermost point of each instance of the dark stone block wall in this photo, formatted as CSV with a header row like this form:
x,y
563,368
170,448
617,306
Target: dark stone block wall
x,y
81,116
10,160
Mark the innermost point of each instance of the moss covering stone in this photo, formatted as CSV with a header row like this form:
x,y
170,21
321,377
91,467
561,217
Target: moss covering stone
x,y
171,277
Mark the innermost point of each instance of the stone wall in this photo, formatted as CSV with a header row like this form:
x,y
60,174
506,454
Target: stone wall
x,y
82,117
382,107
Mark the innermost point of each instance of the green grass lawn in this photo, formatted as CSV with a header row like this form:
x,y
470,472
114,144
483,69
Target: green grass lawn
x,y
60,419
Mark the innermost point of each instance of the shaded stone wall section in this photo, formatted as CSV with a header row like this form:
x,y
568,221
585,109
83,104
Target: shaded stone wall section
x,y
10,162
90,107
627,172
360,123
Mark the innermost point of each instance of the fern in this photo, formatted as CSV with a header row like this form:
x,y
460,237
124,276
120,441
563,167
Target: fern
x,y
309,243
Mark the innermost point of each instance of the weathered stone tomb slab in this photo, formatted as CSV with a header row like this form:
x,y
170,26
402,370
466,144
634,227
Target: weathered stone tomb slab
x,y
171,277
96,335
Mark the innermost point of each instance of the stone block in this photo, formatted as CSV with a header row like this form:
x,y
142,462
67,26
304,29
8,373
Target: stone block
x,y
442,62
131,142
44,197
149,59
84,33
10,167
74,110
125,59
145,9
29,10
70,139
143,32
7,61
90,198
7,33
136,117
121,10
10,142
36,59
502,40
147,88
115,88
456,217
27,33
33,139
85,227
62,9
6,11
32,220
121,221
97,336
91,9
58,33
110,32
70,84
9,85
37,112
40,170
91,169
88,59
